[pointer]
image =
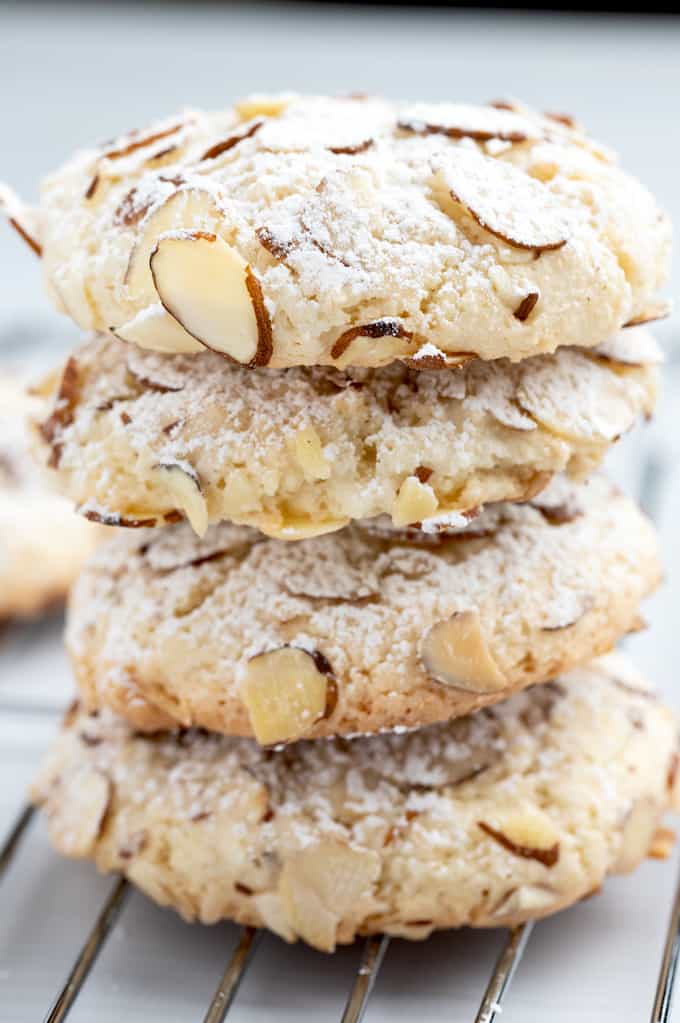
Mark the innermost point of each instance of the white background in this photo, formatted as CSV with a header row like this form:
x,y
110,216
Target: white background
x,y
73,75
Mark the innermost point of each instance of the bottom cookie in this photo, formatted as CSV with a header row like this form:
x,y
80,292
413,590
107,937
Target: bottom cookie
x,y
511,813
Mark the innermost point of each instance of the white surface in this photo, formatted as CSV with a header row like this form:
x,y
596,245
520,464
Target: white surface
x,y
71,75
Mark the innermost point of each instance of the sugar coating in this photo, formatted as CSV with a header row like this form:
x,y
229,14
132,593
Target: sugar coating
x,y
162,625
42,543
328,840
484,432
342,208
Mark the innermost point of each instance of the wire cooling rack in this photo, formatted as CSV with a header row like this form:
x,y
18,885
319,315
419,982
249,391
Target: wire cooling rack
x,y
372,956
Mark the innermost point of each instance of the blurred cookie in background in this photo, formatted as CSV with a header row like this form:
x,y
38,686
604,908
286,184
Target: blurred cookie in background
x,y
43,543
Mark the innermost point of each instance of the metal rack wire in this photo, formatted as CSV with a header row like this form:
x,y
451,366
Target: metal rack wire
x,y
372,956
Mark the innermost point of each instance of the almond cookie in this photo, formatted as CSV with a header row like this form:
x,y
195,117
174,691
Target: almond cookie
x,y
42,543
362,630
290,231
509,814
140,438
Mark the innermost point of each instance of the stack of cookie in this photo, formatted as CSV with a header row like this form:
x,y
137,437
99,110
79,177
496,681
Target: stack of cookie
x,y
357,359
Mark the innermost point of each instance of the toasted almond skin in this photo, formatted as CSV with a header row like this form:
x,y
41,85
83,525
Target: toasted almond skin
x,y
184,485
532,836
233,269
24,219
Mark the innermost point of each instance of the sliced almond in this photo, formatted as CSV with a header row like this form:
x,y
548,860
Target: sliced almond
x,y
109,518
183,485
367,333
212,292
132,208
629,348
566,119
414,502
25,220
156,330
526,306
351,149
135,141
525,902
637,834
531,835
93,186
503,200
276,246
447,524
502,104
183,208
349,129
462,120
429,356
455,653
162,157
285,693
75,826
261,106
584,402
63,411
507,413
322,884
309,453
232,140
659,310
291,528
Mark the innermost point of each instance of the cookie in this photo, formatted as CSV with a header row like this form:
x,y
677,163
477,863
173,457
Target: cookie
x,y
293,231
361,630
42,543
509,814
137,437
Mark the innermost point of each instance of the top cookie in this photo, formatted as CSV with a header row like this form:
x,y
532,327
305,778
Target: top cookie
x,y
294,231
